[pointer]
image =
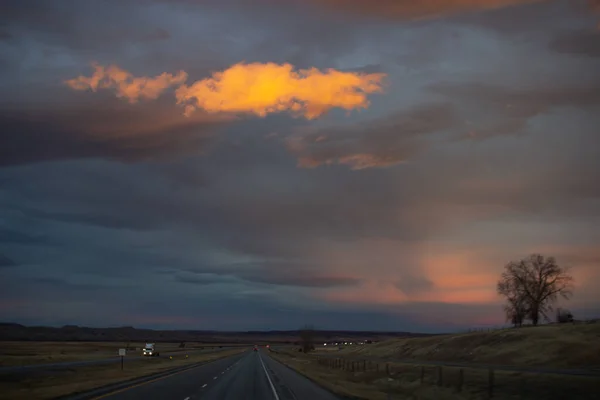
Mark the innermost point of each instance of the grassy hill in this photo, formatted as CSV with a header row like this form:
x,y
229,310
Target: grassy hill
x,y
561,346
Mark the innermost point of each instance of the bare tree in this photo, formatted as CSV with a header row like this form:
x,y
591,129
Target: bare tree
x,y
307,338
516,307
532,285
516,311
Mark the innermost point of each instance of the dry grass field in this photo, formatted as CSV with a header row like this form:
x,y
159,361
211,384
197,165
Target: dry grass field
x,y
376,371
76,379
396,381
551,346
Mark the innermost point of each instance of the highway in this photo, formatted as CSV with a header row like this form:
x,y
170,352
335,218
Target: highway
x,y
249,376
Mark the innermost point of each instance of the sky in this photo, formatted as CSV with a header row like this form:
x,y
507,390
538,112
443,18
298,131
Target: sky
x,y
257,165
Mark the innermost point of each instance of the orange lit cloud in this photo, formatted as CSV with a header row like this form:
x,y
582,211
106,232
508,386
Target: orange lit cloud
x,y
126,85
267,88
256,88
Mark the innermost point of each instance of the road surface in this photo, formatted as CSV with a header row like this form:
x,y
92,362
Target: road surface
x,y
249,376
68,364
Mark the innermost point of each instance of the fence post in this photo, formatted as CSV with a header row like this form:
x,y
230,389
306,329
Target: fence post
x,y
387,369
490,383
377,367
461,377
422,374
440,380
364,365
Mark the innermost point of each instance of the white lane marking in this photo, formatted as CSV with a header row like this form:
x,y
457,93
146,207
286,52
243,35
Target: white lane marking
x,y
268,378
215,377
187,398
204,385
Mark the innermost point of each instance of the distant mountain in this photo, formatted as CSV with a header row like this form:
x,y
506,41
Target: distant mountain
x,y
17,332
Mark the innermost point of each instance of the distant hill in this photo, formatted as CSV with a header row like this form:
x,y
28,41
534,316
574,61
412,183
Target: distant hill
x,y
17,332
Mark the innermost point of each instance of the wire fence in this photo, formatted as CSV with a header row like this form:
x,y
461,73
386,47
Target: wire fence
x,y
509,327
400,381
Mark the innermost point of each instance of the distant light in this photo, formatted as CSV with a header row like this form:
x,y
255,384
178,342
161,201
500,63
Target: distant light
x,y
324,344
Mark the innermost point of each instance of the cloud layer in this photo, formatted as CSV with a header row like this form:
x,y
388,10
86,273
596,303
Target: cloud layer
x,y
125,84
257,88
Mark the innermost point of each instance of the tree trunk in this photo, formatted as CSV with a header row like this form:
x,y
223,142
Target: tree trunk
x,y
535,315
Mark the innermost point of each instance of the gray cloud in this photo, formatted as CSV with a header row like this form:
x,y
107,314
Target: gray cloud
x,y
411,284
106,128
282,273
297,275
583,42
22,238
388,141
6,262
81,25
508,111
412,9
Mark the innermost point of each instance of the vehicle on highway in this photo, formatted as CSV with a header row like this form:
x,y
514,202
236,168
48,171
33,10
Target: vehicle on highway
x,y
150,350
255,348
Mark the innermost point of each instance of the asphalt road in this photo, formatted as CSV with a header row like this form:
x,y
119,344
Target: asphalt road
x,y
59,365
249,376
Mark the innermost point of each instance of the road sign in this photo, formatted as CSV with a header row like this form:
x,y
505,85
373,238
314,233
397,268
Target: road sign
x,y
122,353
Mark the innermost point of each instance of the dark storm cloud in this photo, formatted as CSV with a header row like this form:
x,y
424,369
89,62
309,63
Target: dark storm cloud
x,y
106,128
510,109
294,274
387,9
66,286
197,278
80,25
87,218
283,273
584,43
410,283
6,262
22,238
404,9
384,142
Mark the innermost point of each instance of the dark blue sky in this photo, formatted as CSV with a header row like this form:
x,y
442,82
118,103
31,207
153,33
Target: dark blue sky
x,y
481,148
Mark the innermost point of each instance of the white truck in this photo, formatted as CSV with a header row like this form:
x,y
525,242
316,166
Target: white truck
x,y
149,350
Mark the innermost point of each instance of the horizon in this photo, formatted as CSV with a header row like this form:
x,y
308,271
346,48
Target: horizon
x,y
246,165
200,330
